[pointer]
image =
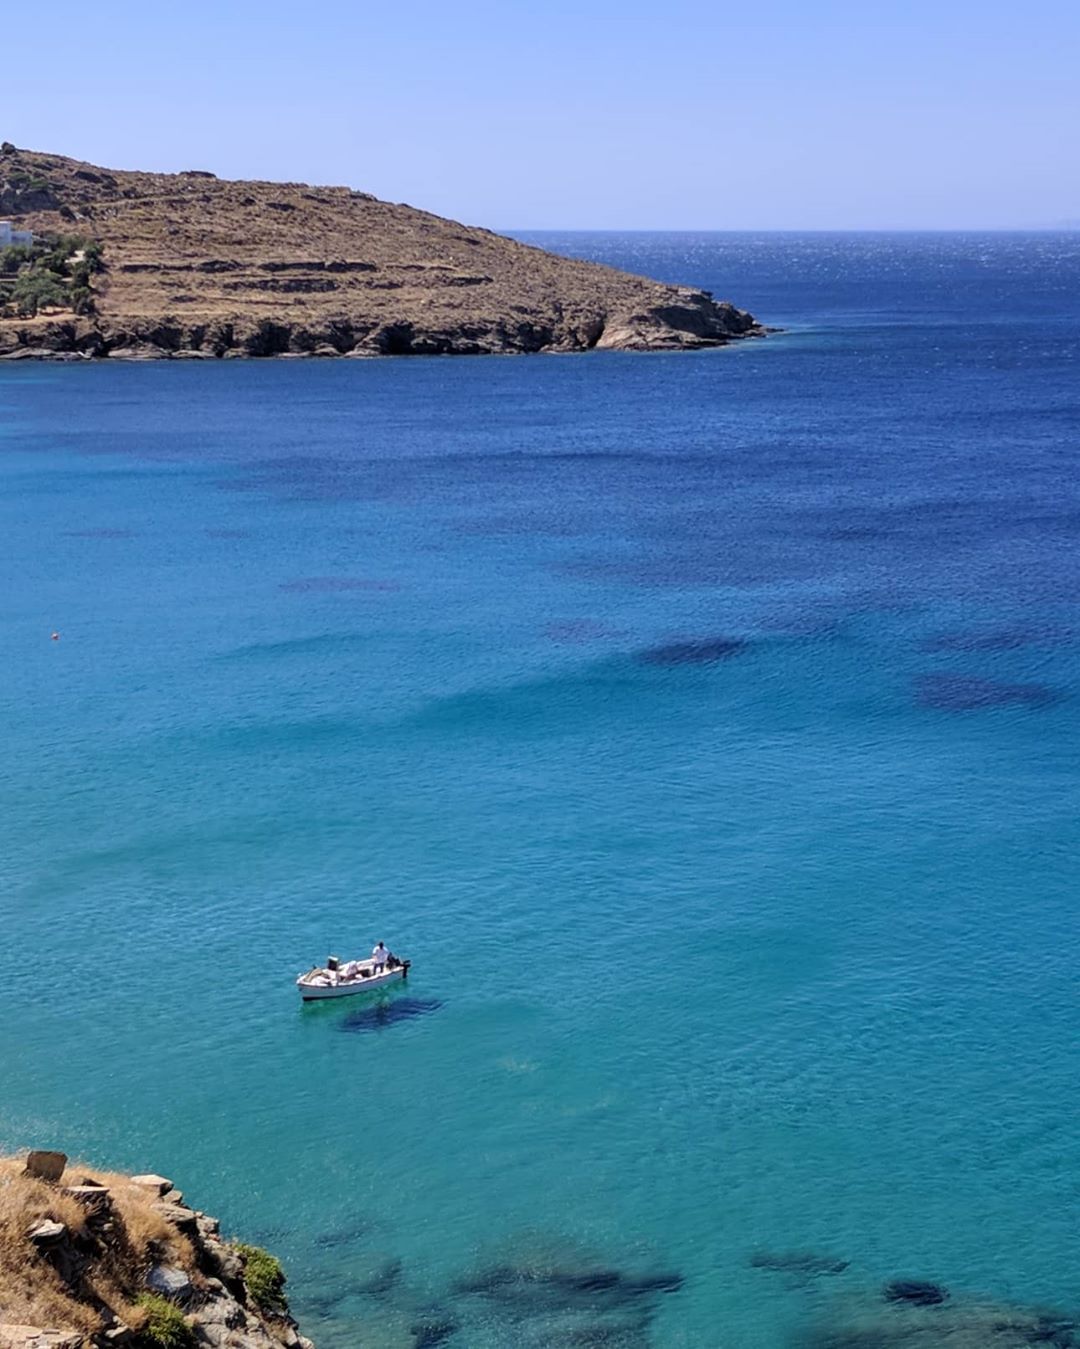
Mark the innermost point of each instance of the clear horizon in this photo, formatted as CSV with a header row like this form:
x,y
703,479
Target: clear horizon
x,y
618,118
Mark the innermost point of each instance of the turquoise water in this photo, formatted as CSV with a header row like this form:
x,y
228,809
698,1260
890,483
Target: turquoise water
x,y
703,726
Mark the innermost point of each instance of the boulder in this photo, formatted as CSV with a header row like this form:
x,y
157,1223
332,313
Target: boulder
x,y
169,1281
37,1337
47,1233
152,1182
46,1165
226,1263
183,1219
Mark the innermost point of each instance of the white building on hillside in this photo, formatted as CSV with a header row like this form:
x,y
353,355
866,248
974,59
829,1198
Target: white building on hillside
x,y
9,236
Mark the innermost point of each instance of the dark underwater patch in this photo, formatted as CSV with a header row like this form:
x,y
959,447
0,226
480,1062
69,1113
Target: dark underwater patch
x,y
919,1292
432,1330
797,1262
969,693
386,1014
563,1288
911,1324
297,646
693,651
632,1335
336,584
381,1279
227,533
341,1236
657,574
101,533
524,525
577,631
1000,639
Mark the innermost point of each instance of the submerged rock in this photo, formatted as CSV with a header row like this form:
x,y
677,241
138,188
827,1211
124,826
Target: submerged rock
x,y
918,1292
433,1330
562,1288
380,1279
906,1324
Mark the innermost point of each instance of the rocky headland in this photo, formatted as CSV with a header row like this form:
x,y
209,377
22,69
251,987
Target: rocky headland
x,y
191,266
97,1260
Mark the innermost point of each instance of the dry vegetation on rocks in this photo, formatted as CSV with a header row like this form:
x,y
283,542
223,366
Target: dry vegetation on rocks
x,y
32,1289
95,1258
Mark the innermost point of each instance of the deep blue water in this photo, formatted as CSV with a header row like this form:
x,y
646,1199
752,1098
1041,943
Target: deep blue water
x,y
705,728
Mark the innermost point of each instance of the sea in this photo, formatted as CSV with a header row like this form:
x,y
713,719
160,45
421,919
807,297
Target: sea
x,y
704,727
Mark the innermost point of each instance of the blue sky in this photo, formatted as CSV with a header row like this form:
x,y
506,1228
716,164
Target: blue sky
x,y
792,114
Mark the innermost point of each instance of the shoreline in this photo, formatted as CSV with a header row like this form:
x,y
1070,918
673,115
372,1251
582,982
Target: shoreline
x,y
150,352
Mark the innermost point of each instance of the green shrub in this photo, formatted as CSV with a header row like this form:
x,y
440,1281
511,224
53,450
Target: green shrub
x,y
34,291
82,300
15,256
165,1326
43,274
263,1277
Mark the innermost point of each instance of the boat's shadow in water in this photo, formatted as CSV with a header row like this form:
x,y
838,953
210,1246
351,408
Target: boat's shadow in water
x,y
388,1012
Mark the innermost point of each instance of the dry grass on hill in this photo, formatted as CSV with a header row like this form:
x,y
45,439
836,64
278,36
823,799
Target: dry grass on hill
x,y
191,262
32,1292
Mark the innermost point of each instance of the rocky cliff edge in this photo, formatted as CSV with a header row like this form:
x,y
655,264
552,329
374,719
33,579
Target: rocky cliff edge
x,y
96,1260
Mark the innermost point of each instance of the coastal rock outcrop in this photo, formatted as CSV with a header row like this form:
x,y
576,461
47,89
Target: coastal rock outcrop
x,y
188,265
97,1260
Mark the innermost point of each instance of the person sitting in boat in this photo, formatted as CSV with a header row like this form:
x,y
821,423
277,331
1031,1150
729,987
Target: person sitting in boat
x,y
379,957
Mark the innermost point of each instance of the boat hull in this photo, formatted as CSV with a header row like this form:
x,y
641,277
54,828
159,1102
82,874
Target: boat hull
x,y
317,992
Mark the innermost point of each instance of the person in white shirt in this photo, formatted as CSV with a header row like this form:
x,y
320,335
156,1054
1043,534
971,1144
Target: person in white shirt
x,y
380,956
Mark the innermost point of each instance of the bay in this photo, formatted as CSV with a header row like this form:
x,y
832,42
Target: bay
x,y
704,726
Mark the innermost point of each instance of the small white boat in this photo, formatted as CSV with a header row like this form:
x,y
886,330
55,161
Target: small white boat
x,y
341,979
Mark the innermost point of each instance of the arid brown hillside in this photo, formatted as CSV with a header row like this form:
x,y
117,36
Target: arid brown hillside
x,y
198,266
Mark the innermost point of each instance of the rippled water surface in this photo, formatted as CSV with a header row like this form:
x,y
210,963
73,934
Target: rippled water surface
x,y
703,726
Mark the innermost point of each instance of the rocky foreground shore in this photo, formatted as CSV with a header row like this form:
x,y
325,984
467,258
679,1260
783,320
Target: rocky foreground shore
x,y
97,1260
188,265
